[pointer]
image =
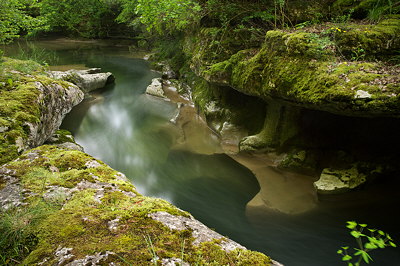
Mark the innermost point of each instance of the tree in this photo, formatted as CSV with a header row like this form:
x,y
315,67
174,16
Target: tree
x,y
161,16
14,19
86,18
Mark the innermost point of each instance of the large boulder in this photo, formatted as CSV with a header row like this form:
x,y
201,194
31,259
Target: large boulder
x,y
33,107
92,213
88,80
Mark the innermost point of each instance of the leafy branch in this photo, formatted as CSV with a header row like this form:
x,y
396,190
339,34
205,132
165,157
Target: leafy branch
x,y
374,239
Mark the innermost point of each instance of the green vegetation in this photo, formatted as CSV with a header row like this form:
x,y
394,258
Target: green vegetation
x,y
86,18
20,104
18,231
60,213
17,104
374,239
336,56
16,17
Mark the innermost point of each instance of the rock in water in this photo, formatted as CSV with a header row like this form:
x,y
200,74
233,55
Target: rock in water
x,y
156,88
88,80
333,181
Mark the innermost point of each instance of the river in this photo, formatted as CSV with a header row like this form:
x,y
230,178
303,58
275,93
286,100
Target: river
x,y
132,133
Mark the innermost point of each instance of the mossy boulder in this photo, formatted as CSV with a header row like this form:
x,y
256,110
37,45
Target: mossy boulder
x,y
93,214
32,106
303,69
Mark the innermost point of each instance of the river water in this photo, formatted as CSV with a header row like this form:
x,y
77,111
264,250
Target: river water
x,y
132,133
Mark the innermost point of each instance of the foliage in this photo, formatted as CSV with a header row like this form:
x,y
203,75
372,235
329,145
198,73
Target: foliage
x,y
375,239
14,19
379,8
161,15
86,18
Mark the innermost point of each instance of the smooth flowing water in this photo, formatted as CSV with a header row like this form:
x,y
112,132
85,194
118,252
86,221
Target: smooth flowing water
x,y
132,133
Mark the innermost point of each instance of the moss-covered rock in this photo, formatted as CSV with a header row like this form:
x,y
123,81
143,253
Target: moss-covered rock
x,y
94,213
32,106
303,69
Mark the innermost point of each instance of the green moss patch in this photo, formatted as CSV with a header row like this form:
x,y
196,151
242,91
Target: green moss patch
x,y
302,68
93,210
19,103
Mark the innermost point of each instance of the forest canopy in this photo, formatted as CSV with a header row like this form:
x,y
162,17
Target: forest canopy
x,y
105,18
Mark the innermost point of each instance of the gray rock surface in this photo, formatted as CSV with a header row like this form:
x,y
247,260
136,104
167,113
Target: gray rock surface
x,y
88,80
55,101
200,232
360,94
156,88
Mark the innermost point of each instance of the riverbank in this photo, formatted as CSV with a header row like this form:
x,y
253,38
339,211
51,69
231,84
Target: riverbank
x,y
67,207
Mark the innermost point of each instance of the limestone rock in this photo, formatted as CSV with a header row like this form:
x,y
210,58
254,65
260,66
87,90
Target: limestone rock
x,y
96,209
230,137
156,88
200,232
333,181
64,139
88,80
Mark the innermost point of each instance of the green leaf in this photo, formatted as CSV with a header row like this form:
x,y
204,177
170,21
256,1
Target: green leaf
x,y
363,225
345,248
372,230
356,234
339,251
381,232
392,244
370,246
347,258
365,256
351,224
381,243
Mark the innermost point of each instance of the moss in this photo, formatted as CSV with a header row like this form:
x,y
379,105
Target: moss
x,y
306,69
83,222
301,161
212,254
374,40
323,85
19,103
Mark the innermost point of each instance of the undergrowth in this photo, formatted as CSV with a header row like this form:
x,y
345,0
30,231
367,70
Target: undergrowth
x,y
18,231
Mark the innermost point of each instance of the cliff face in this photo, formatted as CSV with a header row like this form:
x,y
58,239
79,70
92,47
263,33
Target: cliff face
x,y
323,88
306,68
60,206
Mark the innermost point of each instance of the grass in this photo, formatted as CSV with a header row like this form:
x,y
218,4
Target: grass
x,y
17,231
